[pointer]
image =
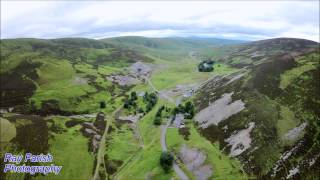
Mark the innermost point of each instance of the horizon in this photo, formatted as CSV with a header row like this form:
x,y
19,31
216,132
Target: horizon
x,y
169,37
247,21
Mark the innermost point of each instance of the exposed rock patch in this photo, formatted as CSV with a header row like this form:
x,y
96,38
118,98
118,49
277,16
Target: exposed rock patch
x,y
123,80
94,131
219,110
293,172
84,116
240,141
130,118
295,132
80,80
136,74
194,159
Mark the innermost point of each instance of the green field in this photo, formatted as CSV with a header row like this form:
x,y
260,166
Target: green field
x,y
7,131
146,160
70,150
185,71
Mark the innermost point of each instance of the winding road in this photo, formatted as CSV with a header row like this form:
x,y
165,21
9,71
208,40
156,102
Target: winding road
x,y
176,167
164,128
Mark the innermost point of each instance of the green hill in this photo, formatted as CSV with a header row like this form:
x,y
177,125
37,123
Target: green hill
x,y
40,68
169,48
279,88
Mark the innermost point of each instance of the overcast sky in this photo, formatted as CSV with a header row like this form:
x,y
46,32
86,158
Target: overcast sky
x,y
250,20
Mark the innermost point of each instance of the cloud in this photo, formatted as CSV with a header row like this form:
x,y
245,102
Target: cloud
x,y
230,19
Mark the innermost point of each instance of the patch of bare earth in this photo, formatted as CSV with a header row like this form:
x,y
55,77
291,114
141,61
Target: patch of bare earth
x,y
123,80
184,90
80,80
140,69
240,141
194,160
137,72
295,132
130,118
219,110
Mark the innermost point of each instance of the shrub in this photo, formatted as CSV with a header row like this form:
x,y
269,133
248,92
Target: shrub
x,y
150,100
126,104
166,161
206,66
157,120
134,96
102,104
140,110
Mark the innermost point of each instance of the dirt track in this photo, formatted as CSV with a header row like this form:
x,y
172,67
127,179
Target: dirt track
x,y
102,146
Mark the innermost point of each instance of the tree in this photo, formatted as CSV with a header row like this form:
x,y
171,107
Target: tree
x,y
157,120
166,161
150,100
134,96
205,66
159,112
102,104
148,107
140,110
145,97
126,104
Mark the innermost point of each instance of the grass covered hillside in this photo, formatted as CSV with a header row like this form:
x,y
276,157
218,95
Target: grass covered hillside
x,y
139,108
66,73
271,122
170,48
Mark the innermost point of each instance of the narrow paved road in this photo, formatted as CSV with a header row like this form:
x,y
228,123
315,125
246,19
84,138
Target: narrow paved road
x,y
176,168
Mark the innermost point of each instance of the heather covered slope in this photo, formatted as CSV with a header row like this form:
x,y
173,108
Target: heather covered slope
x,y
276,134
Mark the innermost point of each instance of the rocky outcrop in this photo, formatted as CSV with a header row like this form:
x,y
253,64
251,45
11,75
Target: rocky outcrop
x,y
240,141
94,131
100,124
219,110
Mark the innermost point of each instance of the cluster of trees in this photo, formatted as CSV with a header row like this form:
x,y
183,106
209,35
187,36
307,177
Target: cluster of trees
x,y
151,100
187,109
131,101
166,161
162,112
206,66
157,119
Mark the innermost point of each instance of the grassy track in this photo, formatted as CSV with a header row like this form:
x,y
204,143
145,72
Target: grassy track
x,y
102,146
